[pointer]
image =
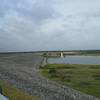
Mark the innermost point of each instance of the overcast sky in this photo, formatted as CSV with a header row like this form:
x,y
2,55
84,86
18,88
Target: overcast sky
x,y
27,25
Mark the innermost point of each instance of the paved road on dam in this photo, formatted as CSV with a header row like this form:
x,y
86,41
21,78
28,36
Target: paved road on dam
x,y
22,70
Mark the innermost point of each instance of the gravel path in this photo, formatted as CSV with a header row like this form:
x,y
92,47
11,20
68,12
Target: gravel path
x,y
22,70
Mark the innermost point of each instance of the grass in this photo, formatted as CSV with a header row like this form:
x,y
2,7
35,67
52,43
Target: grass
x,y
85,78
13,93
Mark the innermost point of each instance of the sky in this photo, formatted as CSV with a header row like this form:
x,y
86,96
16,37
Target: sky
x,y
35,25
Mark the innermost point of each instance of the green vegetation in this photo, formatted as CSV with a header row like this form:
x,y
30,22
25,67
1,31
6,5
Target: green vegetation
x,y
85,78
90,52
14,94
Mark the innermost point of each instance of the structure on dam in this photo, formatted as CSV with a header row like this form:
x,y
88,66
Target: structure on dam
x,y
62,55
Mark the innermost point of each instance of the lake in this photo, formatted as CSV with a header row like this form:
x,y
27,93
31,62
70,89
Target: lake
x,y
75,60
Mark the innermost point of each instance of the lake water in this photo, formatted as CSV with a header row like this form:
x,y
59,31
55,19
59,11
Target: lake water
x,y
75,60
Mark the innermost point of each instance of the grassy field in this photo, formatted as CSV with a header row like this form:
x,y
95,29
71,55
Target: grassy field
x,y
85,78
14,94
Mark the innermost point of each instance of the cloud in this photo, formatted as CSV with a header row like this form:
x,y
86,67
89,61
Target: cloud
x,y
27,25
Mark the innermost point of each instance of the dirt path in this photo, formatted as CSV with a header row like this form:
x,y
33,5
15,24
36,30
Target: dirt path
x,y
22,70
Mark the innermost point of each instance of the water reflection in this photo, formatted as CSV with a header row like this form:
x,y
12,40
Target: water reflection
x,y
75,60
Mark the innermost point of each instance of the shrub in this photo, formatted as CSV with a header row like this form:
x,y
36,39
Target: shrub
x,y
68,80
52,72
65,77
96,76
85,84
95,67
70,67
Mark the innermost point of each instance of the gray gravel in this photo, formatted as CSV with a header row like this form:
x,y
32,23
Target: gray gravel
x,y
22,70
